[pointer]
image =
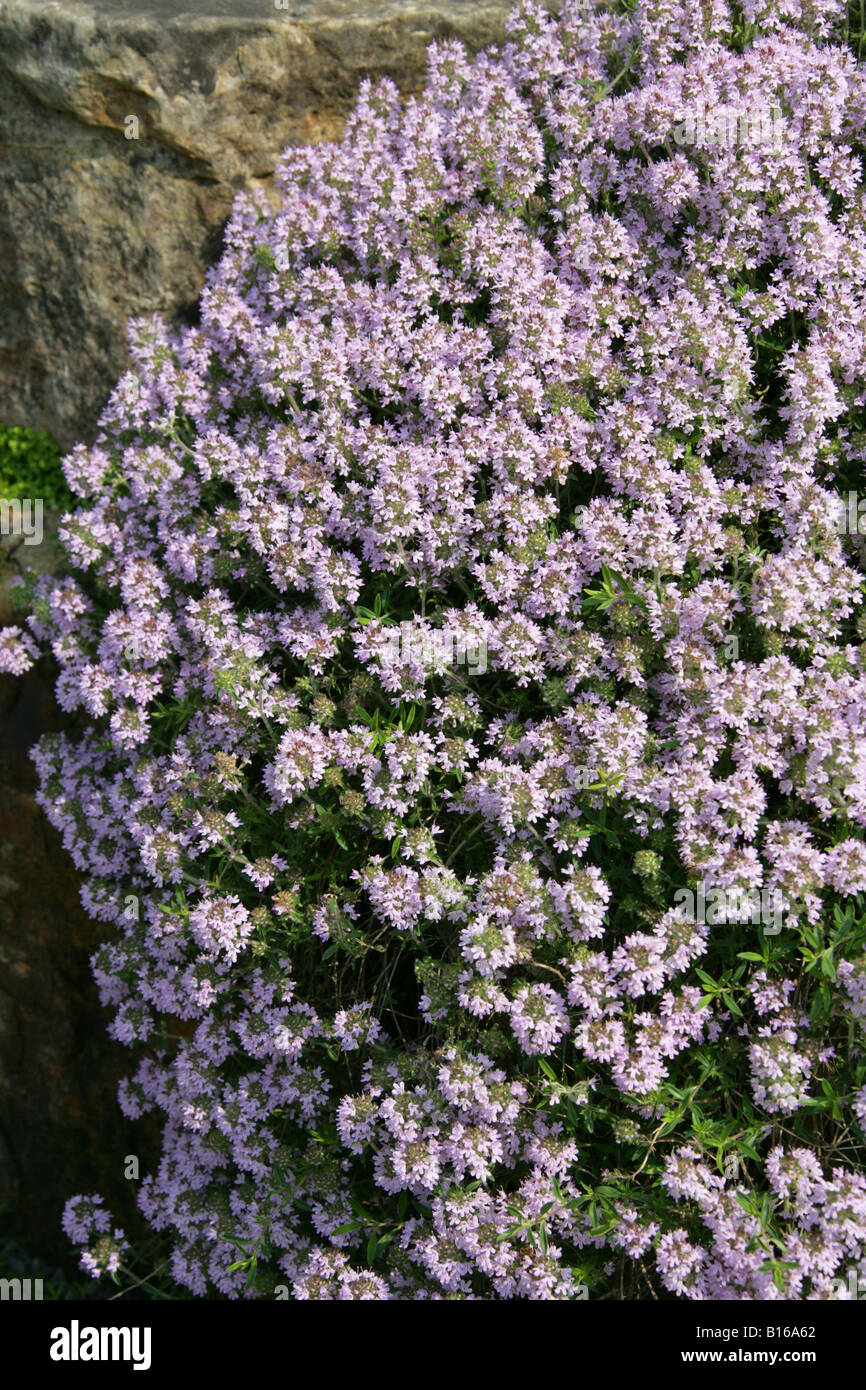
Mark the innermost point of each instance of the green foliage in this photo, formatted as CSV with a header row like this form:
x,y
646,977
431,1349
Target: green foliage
x,y
30,467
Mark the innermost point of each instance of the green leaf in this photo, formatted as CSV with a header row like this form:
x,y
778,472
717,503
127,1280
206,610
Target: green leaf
x,y
766,1211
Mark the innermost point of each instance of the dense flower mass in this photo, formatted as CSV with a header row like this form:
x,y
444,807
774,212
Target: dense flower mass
x,y
467,592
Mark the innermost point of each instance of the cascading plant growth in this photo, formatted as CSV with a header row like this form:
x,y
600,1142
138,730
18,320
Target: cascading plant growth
x,y
516,368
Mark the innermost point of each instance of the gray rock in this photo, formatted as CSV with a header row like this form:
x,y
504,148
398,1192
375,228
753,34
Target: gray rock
x,y
125,131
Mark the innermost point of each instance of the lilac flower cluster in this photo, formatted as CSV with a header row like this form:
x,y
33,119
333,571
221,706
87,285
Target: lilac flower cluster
x,y
87,1223
510,365
17,651
818,1222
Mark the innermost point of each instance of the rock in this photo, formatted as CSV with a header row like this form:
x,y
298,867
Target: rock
x,y
61,1129
126,130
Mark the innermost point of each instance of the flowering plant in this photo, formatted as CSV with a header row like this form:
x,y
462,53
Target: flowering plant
x,y
515,367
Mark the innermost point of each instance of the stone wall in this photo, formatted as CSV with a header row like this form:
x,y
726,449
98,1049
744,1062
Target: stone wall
x,y
124,132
